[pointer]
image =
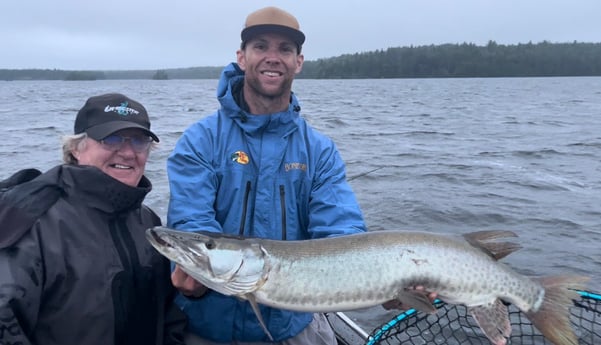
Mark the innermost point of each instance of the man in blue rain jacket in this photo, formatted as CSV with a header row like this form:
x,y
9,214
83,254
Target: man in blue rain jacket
x,y
256,168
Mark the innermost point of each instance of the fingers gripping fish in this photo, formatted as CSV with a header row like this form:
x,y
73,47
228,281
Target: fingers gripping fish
x,y
368,269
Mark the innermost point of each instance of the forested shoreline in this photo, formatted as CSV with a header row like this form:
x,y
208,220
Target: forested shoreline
x,y
464,60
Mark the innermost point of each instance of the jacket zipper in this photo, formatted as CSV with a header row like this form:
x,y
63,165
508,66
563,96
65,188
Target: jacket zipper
x,y
244,207
283,208
125,245
129,260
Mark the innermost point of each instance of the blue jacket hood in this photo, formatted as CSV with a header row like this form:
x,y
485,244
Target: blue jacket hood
x,y
228,91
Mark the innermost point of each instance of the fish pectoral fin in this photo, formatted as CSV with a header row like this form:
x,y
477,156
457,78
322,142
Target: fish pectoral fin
x,y
416,299
493,320
255,306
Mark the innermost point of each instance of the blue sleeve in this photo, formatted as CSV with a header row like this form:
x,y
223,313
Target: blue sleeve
x,y
192,183
333,208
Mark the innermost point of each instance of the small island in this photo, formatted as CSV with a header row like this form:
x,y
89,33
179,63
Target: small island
x,y
160,75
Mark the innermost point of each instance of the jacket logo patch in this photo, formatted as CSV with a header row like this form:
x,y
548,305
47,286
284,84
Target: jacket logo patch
x,y
240,157
295,166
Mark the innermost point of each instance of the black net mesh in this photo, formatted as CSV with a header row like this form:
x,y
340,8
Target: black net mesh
x,y
452,325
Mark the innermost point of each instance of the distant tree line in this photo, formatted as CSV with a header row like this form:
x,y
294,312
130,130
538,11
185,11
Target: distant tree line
x,y
162,74
84,75
433,61
464,60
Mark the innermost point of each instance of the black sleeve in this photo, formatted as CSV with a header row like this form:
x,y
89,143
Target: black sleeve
x,y
21,275
175,324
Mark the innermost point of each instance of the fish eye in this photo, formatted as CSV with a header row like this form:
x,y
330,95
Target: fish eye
x,y
210,244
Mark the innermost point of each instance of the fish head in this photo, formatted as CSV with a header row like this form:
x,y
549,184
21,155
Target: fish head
x,y
227,264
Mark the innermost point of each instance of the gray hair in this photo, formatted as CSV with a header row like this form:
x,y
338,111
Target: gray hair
x,y
71,143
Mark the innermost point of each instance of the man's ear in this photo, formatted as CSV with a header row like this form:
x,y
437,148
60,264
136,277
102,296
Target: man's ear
x,y
75,153
241,59
299,63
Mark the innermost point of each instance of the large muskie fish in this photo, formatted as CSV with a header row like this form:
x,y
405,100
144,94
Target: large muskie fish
x,y
368,269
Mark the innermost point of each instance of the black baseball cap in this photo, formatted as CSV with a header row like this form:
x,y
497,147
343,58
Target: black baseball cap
x,y
106,114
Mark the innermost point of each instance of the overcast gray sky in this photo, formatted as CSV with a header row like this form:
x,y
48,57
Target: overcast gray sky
x,y
155,34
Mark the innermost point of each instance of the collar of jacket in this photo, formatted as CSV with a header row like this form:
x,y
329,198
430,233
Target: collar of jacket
x,y
28,196
101,191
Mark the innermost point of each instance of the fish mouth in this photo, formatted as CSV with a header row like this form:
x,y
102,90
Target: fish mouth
x,y
170,247
154,237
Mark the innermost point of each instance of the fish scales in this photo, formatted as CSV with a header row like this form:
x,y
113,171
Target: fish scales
x,y
340,274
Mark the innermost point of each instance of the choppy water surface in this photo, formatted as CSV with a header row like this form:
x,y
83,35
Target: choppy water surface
x,y
444,155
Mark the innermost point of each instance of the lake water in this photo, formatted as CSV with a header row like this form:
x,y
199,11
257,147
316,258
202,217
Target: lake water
x,y
452,155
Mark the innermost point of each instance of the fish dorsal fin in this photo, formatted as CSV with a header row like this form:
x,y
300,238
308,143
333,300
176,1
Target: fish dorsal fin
x,y
416,299
483,240
493,320
253,303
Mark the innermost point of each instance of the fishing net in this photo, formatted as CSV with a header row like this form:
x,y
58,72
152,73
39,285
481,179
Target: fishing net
x,y
452,325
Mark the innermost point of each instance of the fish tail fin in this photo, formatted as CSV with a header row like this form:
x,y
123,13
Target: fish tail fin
x,y
552,318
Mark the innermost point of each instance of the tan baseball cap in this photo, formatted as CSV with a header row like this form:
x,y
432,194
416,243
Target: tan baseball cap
x,y
272,19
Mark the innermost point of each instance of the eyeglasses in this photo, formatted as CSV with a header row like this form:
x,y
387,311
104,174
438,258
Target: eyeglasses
x,y
115,142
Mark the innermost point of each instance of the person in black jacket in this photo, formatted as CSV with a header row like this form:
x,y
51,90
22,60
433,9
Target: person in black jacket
x,y
75,267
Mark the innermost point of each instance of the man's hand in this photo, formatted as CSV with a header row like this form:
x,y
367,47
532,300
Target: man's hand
x,y
397,304
187,285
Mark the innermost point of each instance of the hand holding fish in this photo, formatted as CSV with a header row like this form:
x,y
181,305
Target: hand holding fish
x,y
398,304
187,285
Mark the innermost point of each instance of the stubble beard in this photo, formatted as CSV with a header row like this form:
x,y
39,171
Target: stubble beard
x,y
258,90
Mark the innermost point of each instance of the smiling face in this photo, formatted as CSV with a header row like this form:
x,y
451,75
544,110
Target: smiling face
x,y
124,164
270,62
